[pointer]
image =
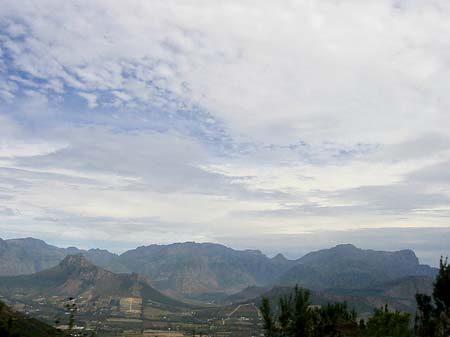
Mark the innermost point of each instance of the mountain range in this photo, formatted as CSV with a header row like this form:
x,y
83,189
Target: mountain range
x,y
192,269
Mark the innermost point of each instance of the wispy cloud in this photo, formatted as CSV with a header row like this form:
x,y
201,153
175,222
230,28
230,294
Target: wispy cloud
x,y
253,117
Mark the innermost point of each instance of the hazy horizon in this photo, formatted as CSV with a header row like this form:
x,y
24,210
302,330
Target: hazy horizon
x,y
290,251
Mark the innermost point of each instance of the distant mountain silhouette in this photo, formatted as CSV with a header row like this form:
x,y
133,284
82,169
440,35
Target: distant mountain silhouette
x,y
181,268
191,269
348,267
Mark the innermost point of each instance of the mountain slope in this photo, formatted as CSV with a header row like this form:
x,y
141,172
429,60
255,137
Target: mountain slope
x,y
75,276
398,294
348,267
181,268
29,255
13,323
402,288
203,267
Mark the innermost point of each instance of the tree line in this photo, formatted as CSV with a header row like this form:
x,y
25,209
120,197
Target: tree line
x,y
294,316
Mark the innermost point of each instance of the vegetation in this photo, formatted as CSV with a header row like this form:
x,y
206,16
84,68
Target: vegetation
x,y
433,316
386,323
296,317
14,324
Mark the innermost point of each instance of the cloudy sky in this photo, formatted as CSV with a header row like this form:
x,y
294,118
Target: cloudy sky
x,y
279,125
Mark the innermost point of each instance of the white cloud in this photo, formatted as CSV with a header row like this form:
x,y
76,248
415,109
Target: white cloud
x,y
296,115
277,72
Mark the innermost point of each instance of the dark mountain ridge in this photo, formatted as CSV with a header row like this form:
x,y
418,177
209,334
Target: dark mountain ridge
x,y
178,268
348,267
203,267
186,269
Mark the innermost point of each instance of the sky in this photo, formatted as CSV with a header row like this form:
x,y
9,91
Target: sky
x,y
285,126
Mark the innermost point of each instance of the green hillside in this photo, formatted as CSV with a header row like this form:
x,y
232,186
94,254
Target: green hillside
x,y
14,324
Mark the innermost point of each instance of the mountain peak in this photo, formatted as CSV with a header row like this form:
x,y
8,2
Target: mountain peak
x,y
279,258
75,261
345,246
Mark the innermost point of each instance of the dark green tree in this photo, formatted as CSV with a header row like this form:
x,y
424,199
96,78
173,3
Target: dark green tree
x,y
5,322
385,323
295,317
433,314
268,318
302,318
424,323
336,319
441,297
71,309
441,289
285,316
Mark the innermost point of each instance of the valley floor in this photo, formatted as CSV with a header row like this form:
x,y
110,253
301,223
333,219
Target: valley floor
x,y
149,320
